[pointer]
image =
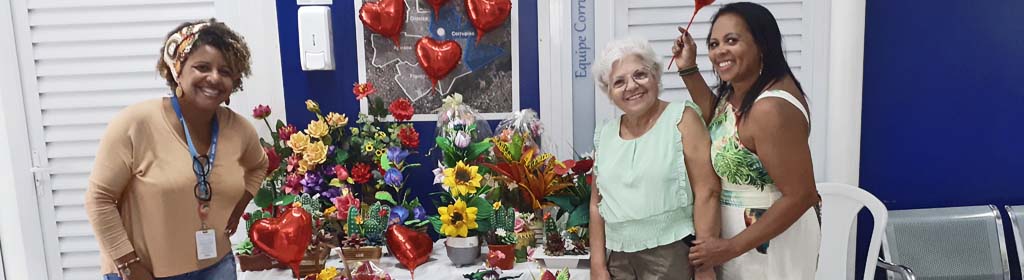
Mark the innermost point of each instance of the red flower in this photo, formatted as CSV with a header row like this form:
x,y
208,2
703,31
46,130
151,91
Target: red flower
x,y
261,112
402,109
275,160
246,216
563,168
583,166
340,172
409,137
361,173
293,184
382,213
363,90
285,132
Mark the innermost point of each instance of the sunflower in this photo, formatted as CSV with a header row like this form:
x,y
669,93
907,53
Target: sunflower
x,y
462,179
457,219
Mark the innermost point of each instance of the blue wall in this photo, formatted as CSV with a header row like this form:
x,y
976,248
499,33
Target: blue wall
x,y
942,116
333,89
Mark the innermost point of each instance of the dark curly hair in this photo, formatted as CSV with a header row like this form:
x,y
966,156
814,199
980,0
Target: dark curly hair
x,y
220,37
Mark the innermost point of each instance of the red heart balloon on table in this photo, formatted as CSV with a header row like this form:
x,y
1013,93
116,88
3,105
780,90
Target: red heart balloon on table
x,y
410,247
385,17
487,14
438,58
284,238
436,4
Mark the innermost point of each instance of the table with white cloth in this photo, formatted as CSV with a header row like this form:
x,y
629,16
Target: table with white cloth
x,y
437,267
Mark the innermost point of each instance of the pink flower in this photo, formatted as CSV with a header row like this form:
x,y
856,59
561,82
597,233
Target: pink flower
x,y
293,184
462,140
261,112
343,202
520,225
285,132
340,172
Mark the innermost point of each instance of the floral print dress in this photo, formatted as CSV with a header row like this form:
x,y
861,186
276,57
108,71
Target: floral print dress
x,y
747,193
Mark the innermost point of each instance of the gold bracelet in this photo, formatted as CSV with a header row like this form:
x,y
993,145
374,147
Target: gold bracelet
x,y
127,263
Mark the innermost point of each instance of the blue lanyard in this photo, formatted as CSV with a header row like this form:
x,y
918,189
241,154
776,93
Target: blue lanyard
x,y
188,138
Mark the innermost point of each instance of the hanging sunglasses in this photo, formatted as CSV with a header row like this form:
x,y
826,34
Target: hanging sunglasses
x,y
201,165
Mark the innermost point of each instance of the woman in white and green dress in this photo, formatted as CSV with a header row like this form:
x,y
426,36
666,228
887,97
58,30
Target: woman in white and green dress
x,y
759,129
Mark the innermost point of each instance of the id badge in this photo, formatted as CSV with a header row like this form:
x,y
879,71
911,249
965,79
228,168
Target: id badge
x,y
206,244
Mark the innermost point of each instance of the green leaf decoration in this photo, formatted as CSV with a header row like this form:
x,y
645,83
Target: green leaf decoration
x,y
579,217
263,198
484,212
335,183
516,147
279,125
435,221
478,148
447,150
385,196
564,204
340,155
385,163
285,200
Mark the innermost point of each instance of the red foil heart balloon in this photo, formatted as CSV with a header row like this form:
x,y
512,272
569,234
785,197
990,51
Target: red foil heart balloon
x,y
284,238
438,58
410,247
487,14
436,4
385,17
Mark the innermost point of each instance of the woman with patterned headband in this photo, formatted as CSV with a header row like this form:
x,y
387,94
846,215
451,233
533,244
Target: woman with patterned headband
x,y
173,175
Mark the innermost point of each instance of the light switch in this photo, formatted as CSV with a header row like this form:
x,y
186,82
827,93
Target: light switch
x,y
316,42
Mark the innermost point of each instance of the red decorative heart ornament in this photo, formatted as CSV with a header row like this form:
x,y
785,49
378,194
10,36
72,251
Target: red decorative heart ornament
x,y
385,17
284,238
410,247
487,14
438,58
700,4
436,4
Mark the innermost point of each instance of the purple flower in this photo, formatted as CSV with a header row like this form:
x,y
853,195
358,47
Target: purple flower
x,y
331,193
313,180
396,154
393,177
419,213
331,151
398,215
462,139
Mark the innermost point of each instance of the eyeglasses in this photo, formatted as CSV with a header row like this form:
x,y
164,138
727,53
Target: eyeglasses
x,y
201,165
641,75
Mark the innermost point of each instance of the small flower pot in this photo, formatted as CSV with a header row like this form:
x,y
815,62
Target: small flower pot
x,y
507,260
314,261
463,251
258,262
356,257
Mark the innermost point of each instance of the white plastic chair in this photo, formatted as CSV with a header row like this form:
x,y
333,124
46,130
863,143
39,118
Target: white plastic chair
x,y
840,204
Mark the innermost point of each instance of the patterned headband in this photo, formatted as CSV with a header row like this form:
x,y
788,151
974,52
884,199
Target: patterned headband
x,y
179,45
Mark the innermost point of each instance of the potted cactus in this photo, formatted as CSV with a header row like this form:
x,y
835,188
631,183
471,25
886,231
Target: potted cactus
x,y
503,238
364,235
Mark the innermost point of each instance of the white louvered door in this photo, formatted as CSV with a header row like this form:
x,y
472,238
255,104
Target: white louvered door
x,y
81,62
804,27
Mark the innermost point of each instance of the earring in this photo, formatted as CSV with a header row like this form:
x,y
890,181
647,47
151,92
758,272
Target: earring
x,y
178,92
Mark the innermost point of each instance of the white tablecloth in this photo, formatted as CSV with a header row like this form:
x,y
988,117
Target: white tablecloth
x,y
437,267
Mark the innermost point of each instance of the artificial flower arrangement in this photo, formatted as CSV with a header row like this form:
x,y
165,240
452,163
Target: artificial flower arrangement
x,y
559,242
574,201
464,211
364,236
528,172
330,167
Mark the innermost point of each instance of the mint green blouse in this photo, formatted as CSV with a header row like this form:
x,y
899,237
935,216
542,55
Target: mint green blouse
x,y
646,200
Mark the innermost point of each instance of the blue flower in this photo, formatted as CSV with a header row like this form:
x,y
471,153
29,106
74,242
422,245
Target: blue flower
x,y
393,177
398,215
396,154
419,213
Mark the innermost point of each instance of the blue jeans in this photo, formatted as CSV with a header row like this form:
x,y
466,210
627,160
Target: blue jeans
x,y
223,269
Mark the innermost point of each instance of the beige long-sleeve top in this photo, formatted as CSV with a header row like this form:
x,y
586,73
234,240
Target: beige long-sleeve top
x,y
140,195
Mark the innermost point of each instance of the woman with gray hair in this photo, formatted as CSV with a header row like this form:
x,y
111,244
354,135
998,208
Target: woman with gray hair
x,y
653,170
